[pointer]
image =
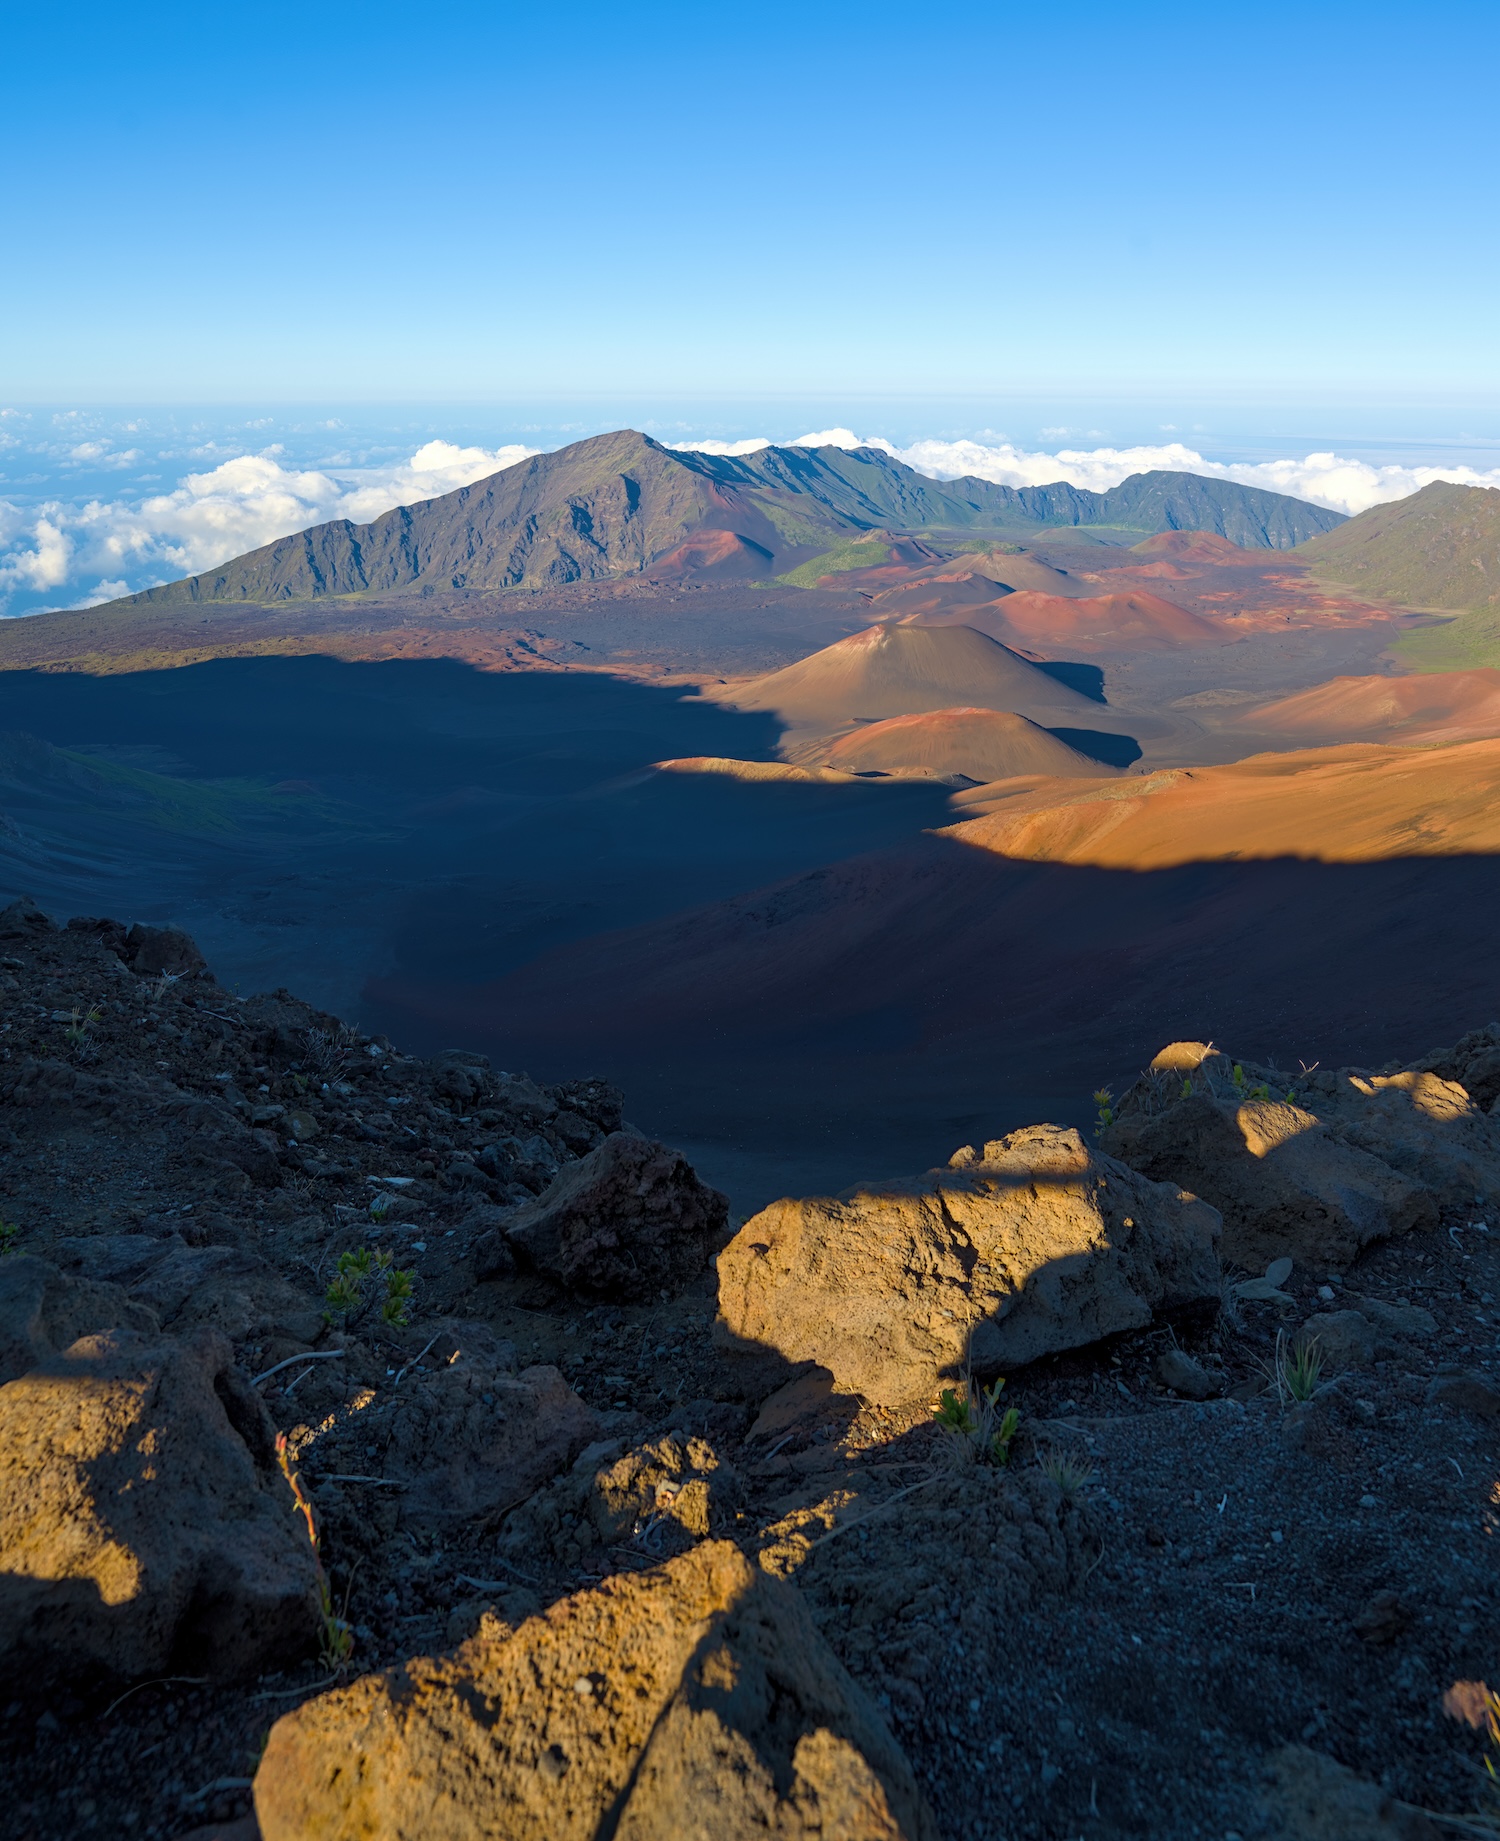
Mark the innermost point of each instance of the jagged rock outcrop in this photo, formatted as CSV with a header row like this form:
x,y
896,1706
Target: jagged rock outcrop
x,y
143,1525
629,1219
1035,1245
1317,1165
694,1703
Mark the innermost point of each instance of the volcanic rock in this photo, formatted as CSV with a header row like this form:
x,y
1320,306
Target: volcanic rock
x,y
471,1440
1424,1126
1176,1369
697,1701
1469,1391
24,920
43,1312
154,950
677,1485
628,1220
1284,1183
1038,1245
142,1523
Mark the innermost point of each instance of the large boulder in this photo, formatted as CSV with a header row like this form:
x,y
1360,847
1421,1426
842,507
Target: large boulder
x,y
1428,1129
1473,1063
154,950
143,1526
24,920
626,1221
697,1702
1247,1140
1034,1246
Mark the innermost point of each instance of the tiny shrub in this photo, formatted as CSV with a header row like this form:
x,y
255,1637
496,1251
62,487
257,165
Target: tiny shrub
x,y
363,1278
977,1430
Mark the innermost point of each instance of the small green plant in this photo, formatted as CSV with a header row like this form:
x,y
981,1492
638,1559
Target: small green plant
x,y
977,1430
10,1238
336,1637
1104,1099
1302,1367
360,1279
1295,1369
1072,1475
1187,1088
395,1308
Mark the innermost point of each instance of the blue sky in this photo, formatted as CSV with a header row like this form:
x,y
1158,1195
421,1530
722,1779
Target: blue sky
x,y
482,203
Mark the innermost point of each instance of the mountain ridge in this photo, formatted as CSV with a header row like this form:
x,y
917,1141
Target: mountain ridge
x,y
612,505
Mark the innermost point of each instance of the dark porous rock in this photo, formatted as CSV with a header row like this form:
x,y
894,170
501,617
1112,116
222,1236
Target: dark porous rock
x,y
1039,1245
1468,1390
1342,1338
1326,1427
223,1287
139,1530
471,1440
24,920
461,1076
519,1095
1382,1620
628,1220
1397,1321
154,950
1176,1369
665,1494
43,1311
693,1700
1285,1182
595,1100
578,1134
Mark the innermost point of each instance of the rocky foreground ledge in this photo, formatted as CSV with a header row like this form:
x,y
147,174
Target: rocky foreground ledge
x,y
395,1447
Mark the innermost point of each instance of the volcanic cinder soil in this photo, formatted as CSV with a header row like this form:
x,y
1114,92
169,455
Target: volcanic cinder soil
x,y
584,1548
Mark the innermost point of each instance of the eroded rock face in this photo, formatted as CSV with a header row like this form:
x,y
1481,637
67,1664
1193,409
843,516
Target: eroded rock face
x,y
1037,1245
693,1703
1285,1183
142,1523
1426,1128
626,1221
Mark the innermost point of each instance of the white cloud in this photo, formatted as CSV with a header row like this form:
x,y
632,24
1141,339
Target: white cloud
x,y
106,547
731,448
77,554
1326,479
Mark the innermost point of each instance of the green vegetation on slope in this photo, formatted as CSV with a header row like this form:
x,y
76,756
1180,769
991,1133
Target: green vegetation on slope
x,y
1439,548
1465,644
856,553
165,800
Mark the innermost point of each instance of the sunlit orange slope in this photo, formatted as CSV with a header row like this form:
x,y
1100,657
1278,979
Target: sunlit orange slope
x,y
1135,622
1354,804
1428,706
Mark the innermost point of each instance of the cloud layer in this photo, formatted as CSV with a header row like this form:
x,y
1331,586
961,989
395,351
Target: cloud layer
x,y
1326,479
77,552
103,548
